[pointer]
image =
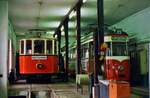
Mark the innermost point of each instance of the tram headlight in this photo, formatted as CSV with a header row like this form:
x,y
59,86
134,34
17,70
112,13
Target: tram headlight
x,y
40,66
121,68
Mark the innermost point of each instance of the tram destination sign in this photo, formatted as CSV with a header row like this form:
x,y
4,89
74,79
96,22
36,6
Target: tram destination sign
x,y
39,57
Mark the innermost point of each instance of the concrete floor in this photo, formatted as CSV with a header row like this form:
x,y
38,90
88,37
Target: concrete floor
x,y
62,90
59,90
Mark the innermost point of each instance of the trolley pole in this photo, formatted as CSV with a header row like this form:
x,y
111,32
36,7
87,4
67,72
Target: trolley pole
x,y
99,39
66,46
78,9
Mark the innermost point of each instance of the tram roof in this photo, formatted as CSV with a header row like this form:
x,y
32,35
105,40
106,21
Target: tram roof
x,y
38,39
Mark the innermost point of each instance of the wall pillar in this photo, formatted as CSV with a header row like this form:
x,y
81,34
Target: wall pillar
x,y
3,47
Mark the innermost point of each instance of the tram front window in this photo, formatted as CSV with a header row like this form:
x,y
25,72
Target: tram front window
x,y
28,46
119,49
39,46
22,47
49,47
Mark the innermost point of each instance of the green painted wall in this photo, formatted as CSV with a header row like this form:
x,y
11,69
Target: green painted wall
x,y
12,34
137,25
12,37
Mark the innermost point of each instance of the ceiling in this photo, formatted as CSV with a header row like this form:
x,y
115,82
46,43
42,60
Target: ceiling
x,y
29,14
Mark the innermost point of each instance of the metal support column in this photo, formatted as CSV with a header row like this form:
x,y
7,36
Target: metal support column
x,y
66,46
149,68
100,16
96,57
99,39
78,9
59,46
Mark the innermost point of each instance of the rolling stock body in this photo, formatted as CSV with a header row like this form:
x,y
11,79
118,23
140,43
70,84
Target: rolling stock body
x,y
38,58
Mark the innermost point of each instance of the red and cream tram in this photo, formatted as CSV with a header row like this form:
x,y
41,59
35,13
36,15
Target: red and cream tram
x,y
38,57
116,63
116,58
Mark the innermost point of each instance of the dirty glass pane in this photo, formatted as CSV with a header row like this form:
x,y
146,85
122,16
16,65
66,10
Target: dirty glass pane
x,y
22,47
119,49
49,47
28,47
39,46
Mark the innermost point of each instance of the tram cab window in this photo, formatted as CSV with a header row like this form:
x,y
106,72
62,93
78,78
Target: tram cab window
x,y
39,46
22,47
119,49
28,47
49,46
108,50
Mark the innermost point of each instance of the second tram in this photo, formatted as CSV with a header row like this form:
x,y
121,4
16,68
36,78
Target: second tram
x,y
116,59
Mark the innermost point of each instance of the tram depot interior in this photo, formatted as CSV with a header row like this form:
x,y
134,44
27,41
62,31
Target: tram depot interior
x,y
70,25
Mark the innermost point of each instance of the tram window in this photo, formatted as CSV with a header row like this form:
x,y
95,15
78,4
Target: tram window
x,y
28,46
119,49
39,46
108,50
22,47
49,47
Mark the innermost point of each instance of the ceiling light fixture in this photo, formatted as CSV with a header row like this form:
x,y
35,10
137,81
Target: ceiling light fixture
x,y
84,1
62,33
50,32
73,13
62,28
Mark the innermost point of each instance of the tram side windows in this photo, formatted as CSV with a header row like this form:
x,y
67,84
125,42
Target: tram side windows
x,y
22,46
49,47
39,46
119,49
28,46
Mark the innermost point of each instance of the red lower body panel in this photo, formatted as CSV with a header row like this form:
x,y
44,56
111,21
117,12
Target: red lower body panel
x,y
45,64
116,70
